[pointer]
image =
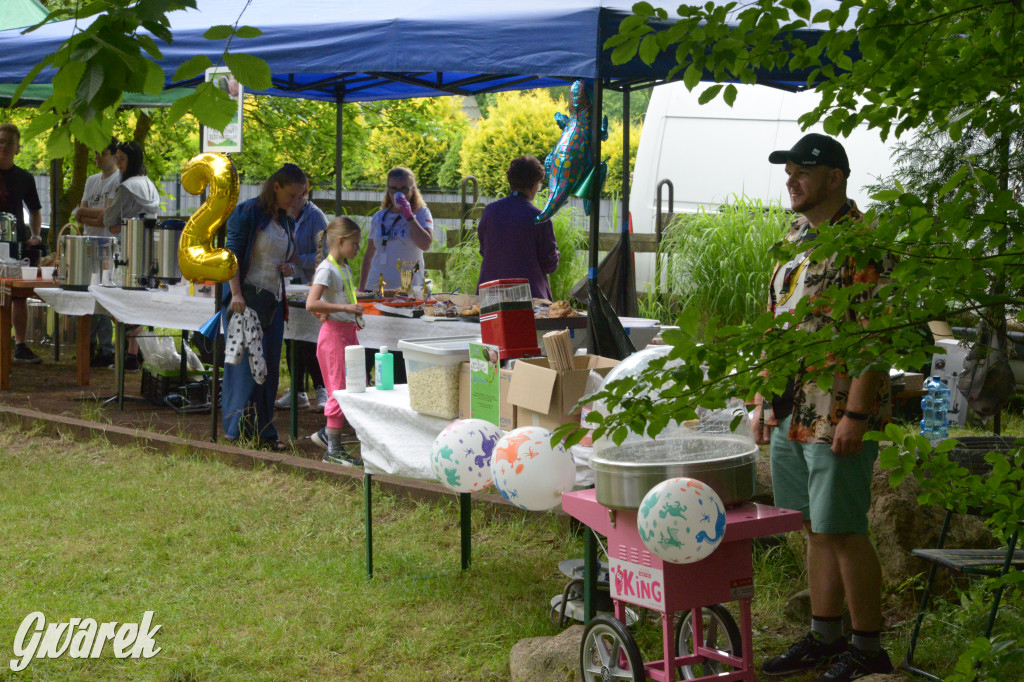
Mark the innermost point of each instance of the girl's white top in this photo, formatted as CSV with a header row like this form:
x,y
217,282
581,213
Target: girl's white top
x,y
335,289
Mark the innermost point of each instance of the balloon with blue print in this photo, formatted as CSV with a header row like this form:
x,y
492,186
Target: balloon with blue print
x,y
461,455
681,520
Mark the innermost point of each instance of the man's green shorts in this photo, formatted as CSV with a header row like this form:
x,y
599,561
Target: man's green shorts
x,y
832,492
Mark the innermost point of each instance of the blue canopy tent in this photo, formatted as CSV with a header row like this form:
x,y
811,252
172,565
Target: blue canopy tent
x,y
352,50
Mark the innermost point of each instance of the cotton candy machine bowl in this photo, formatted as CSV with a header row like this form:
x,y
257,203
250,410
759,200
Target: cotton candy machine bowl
x,y
727,463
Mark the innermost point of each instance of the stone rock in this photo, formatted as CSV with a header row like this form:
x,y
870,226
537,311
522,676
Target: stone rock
x,y
548,659
899,524
764,493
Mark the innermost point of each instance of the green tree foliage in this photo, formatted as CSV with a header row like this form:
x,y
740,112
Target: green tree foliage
x,y
107,56
960,253
420,142
949,67
517,123
279,130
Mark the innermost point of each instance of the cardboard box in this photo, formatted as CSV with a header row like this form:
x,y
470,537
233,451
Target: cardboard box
x,y
546,398
913,381
506,409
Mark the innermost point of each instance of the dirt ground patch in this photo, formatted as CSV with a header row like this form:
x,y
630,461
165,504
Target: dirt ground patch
x,y
51,387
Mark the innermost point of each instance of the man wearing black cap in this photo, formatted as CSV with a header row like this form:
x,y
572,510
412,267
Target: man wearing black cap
x,y
820,463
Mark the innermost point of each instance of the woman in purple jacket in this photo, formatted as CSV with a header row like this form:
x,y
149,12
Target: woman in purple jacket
x,y
511,245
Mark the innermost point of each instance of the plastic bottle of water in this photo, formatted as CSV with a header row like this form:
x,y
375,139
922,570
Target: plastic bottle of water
x,y
934,408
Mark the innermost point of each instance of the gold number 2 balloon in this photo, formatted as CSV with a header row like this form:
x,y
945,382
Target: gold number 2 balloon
x,y
198,259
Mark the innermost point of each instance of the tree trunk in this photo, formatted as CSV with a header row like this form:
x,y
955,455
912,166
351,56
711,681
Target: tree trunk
x,y
142,125
71,197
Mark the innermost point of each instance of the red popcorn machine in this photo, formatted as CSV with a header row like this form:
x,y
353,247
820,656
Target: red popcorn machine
x,y
506,317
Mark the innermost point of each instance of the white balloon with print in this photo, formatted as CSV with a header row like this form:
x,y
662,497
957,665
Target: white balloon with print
x,y
681,520
530,472
461,455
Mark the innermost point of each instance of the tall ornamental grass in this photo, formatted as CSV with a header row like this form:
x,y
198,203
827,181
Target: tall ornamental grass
x,y
718,262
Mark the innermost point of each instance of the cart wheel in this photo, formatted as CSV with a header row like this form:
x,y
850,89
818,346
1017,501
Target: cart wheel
x,y
720,632
609,653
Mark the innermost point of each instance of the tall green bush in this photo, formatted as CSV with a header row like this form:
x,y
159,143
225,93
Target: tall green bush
x,y
611,153
718,263
518,123
420,145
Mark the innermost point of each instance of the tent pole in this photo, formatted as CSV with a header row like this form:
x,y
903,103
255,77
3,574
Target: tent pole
x,y
625,160
339,99
595,187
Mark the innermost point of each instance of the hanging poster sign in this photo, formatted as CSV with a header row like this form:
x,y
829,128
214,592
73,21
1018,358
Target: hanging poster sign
x,y
229,139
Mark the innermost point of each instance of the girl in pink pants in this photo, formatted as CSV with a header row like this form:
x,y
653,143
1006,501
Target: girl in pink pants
x,y
332,298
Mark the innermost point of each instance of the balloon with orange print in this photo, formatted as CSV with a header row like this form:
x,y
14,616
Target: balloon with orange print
x,y
198,257
530,472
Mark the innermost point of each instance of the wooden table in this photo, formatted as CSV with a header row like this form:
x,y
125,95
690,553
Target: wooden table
x,y
11,289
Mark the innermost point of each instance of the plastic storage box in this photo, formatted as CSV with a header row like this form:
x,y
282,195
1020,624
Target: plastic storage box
x,y
432,370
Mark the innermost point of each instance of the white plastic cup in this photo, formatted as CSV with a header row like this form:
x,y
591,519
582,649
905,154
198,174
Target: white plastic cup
x,y
105,277
29,272
46,271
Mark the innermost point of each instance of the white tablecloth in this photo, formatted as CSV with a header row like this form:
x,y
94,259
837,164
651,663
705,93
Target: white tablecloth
x,y
154,307
395,439
67,302
178,311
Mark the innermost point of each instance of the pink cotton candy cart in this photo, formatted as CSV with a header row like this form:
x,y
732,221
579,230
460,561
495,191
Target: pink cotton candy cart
x,y
708,645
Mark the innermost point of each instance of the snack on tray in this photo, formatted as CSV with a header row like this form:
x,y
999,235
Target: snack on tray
x,y
470,310
556,310
442,309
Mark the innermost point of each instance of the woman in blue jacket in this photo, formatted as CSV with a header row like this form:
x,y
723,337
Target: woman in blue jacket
x,y
260,235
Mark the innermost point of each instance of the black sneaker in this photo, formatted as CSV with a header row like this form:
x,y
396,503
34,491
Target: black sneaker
x,y
132,363
343,458
319,437
855,663
806,653
23,353
102,360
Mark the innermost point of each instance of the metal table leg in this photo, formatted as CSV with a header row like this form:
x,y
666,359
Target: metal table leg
x,y
466,522
368,508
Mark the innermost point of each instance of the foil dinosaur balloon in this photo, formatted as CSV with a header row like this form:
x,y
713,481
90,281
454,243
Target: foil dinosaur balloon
x,y
569,163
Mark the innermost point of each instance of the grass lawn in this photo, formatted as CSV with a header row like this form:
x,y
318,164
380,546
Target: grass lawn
x,y
258,575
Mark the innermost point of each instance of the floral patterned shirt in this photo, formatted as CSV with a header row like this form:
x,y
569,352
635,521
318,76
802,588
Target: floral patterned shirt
x,y
816,412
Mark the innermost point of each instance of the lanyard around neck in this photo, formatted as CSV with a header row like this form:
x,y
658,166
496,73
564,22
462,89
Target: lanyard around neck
x,y
350,288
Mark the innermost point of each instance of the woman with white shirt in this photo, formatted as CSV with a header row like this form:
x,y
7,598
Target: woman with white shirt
x,y
402,230
260,235
136,194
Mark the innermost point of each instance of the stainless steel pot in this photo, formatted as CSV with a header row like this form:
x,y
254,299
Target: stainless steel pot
x,y
8,228
727,463
134,268
83,259
164,250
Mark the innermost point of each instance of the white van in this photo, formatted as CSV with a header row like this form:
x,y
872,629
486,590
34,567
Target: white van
x,y
712,152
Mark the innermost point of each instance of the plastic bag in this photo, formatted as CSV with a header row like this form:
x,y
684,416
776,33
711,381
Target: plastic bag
x,y
595,382
160,354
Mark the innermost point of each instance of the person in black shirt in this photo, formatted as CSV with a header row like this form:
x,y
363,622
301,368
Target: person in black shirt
x,y
18,192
